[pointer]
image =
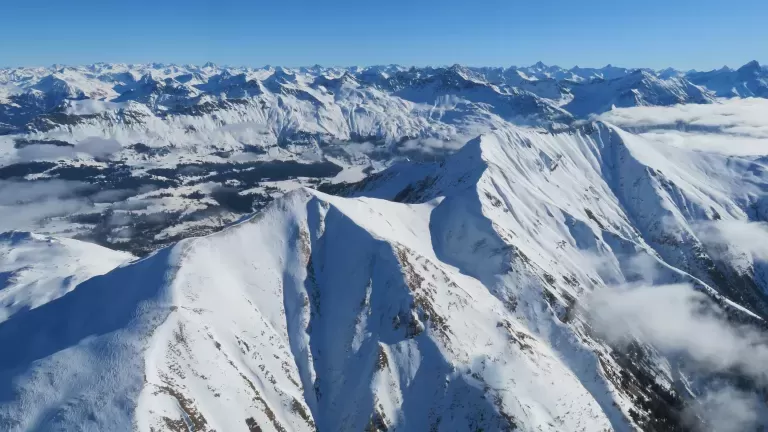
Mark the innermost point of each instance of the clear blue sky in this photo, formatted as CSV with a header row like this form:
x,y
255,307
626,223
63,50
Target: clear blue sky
x,y
700,34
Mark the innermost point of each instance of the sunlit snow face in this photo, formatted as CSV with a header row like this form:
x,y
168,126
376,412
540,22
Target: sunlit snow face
x,y
734,126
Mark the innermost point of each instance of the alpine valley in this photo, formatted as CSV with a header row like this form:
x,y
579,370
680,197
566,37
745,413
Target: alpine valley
x,y
206,248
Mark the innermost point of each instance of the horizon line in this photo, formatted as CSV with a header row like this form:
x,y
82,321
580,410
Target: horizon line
x,y
445,65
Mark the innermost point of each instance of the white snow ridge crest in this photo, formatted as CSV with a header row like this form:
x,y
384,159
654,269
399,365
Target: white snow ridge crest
x,y
437,297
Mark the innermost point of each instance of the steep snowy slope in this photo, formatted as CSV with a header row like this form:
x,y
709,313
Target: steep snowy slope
x,y
448,299
321,312
36,269
638,192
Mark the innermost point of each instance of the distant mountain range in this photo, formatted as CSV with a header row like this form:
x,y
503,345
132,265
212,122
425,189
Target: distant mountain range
x,y
535,94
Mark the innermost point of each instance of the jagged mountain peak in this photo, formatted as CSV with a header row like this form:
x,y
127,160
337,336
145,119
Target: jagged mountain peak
x,y
754,64
752,68
346,78
539,93
57,83
750,80
465,73
148,79
283,74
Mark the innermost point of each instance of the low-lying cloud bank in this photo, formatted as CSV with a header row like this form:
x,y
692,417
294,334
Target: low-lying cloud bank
x,y
746,117
25,203
732,126
29,205
684,323
95,147
728,410
677,319
734,237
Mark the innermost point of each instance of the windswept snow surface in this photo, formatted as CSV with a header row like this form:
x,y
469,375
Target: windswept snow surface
x,y
431,296
36,269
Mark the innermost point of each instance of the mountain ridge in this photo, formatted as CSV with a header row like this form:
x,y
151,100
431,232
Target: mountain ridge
x,y
445,295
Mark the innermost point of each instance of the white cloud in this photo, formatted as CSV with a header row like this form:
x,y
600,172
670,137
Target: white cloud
x,y
725,410
735,116
735,237
677,319
733,126
37,152
430,146
23,204
112,195
98,148
356,149
251,133
680,321
120,218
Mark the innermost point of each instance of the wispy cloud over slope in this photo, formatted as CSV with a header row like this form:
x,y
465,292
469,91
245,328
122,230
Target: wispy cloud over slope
x,y
731,126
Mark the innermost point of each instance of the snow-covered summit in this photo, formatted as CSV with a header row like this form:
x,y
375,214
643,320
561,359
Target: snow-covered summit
x,y
750,80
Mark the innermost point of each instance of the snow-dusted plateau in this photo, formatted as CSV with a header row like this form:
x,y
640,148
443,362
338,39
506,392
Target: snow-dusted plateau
x,y
206,248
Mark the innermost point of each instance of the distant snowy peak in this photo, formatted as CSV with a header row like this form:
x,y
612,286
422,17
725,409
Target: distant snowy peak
x,y
577,74
282,78
639,88
452,87
56,84
750,80
336,82
670,73
539,93
454,78
750,70
155,92
231,85
607,72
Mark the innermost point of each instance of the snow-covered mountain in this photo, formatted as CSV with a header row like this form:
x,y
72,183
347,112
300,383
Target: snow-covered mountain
x,y
750,80
516,92
176,139
638,88
300,102
450,295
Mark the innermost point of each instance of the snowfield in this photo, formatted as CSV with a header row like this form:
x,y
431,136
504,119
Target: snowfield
x,y
442,295
36,269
